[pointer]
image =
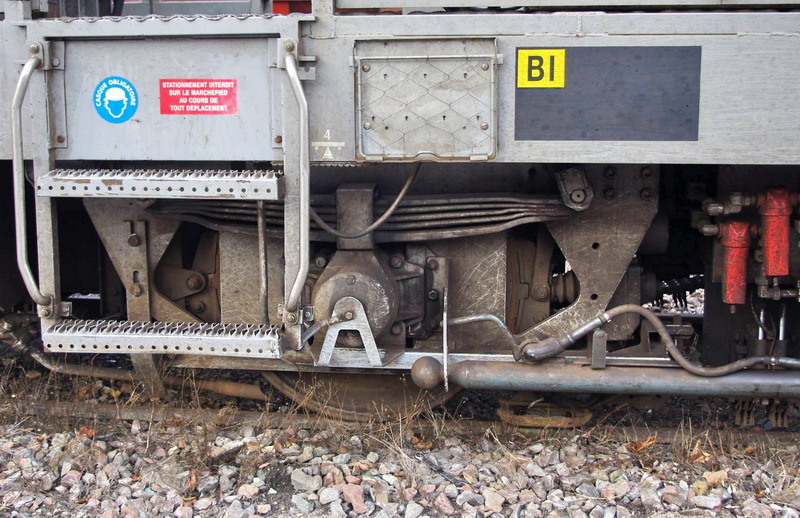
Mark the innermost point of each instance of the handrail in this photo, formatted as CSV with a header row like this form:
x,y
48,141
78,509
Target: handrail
x,y
305,196
18,168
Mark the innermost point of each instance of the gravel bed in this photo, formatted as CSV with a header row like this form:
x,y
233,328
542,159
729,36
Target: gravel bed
x,y
412,470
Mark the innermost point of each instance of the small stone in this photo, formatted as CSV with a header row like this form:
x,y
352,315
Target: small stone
x,y
354,495
707,502
451,491
413,510
650,498
70,478
136,427
247,491
468,497
208,484
328,495
493,501
674,496
203,503
263,508
390,479
587,489
302,505
304,482
443,504
229,448
182,512
754,509
342,458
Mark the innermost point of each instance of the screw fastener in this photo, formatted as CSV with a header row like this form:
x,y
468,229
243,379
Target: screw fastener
x,y
288,46
291,318
349,315
433,295
45,312
133,240
366,68
34,48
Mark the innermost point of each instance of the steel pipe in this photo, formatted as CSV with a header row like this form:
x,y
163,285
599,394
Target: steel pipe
x,y
558,376
18,167
305,185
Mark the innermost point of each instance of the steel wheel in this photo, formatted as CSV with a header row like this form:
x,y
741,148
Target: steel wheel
x,y
358,397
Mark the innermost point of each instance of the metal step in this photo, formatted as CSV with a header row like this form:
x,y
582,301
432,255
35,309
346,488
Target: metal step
x,y
128,337
151,183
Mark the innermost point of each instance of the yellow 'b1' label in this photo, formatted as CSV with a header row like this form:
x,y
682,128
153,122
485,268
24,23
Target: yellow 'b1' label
x,y
541,68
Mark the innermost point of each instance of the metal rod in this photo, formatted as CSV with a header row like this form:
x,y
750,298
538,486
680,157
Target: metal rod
x,y
305,188
263,295
458,321
562,377
445,350
18,164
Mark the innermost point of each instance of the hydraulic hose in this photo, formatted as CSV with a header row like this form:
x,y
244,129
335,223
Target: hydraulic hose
x,y
378,222
550,347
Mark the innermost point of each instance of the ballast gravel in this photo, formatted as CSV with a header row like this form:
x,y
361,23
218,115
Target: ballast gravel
x,y
201,470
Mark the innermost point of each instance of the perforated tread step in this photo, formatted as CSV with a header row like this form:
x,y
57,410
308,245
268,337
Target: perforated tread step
x,y
128,337
151,183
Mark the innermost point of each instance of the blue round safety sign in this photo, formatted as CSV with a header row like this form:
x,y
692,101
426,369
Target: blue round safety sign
x,y
115,99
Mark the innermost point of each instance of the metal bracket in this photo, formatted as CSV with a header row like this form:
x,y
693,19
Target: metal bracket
x,y
575,188
353,317
599,344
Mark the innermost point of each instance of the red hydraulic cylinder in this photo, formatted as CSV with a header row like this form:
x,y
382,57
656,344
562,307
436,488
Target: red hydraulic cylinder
x,y
735,237
775,207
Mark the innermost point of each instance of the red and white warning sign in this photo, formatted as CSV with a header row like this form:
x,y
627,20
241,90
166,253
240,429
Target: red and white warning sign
x,y
198,96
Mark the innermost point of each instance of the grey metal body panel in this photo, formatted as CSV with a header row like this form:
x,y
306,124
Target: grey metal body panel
x,y
747,115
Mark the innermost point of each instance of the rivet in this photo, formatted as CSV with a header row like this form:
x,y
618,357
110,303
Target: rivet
x,y
60,139
646,194
645,172
351,279
433,264
366,68
610,172
484,126
396,262
367,125
278,139
484,66
133,240
397,328
349,315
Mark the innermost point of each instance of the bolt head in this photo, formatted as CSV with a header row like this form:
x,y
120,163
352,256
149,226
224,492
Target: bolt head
x,y
541,293
646,194
133,240
45,312
137,290
397,328
484,126
484,66
433,295
433,264
60,139
288,46
34,48
56,62
366,68
278,139
646,172
351,279
610,194
610,172
198,307
396,261
320,261
291,318
578,196
367,125
349,315
193,283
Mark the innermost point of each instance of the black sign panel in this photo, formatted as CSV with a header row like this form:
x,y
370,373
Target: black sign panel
x,y
608,93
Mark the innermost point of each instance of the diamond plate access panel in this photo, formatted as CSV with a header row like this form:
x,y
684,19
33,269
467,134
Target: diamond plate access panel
x,y
426,99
